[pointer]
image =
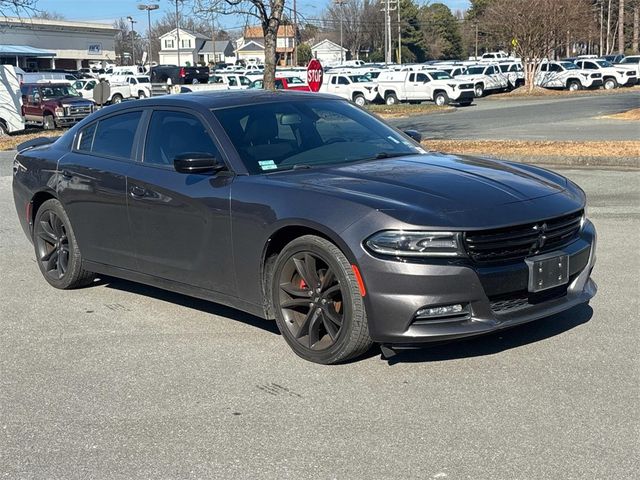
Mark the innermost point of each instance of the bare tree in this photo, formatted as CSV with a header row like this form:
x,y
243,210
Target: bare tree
x,y
636,26
45,15
17,8
534,29
268,13
621,26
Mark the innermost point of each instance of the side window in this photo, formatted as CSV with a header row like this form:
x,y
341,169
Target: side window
x,y
590,66
232,81
412,77
544,67
279,85
555,68
114,135
174,133
343,81
422,77
334,80
85,140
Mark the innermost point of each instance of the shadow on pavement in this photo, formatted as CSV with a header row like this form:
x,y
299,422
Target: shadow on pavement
x,y
498,341
189,302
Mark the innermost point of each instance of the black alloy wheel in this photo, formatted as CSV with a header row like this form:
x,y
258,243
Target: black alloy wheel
x,y
56,249
318,306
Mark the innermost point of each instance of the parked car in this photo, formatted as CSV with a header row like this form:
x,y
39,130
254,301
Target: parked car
x,y
118,74
632,62
514,73
357,88
566,75
282,84
11,119
179,75
132,87
233,81
612,77
53,105
613,58
311,212
139,86
419,86
485,79
453,70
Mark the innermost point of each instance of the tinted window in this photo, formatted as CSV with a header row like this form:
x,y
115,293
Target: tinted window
x,y
114,135
343,81
86,138
422,77
174,133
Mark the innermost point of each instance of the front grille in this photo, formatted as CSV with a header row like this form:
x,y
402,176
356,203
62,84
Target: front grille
x,y
466,86
516,301
520,241
631,74
74,110
596,75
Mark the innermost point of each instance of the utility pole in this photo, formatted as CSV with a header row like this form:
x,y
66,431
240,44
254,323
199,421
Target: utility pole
x,y
476,40
178,31
399,34
340,4
133,41
295,35
148,7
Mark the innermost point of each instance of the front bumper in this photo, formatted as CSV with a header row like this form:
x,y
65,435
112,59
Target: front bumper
x,y
496,297
597,83
465,96
70,120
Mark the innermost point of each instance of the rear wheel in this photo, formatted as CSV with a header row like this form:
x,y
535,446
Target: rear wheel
x,y
117,98
441,99
48,122
56,248
391,99
141,94
610,83
317,302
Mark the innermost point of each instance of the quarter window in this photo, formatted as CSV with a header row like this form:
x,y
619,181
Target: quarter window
x,y
174,133
114,135
86,138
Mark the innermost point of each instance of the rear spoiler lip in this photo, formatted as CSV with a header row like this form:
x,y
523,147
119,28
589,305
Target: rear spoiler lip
x,y
35,142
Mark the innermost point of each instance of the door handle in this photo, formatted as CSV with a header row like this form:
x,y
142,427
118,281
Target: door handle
x,y
137,192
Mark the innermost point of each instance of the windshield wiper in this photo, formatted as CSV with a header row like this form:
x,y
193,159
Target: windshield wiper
x,y
382,155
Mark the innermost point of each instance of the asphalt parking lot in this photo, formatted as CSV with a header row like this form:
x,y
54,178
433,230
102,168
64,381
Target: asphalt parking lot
x,y
123,381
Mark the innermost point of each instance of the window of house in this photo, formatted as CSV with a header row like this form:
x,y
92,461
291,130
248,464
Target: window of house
x,y
185,43
168,44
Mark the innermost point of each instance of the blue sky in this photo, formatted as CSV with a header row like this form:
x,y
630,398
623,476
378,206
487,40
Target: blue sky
x,y
108,10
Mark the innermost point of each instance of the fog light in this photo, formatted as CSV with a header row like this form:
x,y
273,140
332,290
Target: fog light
x,y
442,311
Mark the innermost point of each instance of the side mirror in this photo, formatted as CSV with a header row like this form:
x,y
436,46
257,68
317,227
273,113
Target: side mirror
x,y
414,134
197,162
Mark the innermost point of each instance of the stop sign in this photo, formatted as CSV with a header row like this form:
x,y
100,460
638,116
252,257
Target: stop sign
x,y
314,75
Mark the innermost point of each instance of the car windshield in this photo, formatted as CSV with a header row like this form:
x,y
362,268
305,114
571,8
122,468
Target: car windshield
x,y
143,79
440,75
475,71
630,60
294,80
271,137
359,78
604,63
57,91
569,65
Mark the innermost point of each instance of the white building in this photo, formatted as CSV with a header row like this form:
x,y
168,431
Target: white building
x,y
328,52
251,46
33,43
195,48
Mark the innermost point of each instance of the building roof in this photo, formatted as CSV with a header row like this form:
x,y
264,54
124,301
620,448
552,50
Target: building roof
x,y
41,23
188,32
328,44
220,46
256,31
24,51
251,46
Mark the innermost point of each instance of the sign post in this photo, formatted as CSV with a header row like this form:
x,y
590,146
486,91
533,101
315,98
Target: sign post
x,y
315,75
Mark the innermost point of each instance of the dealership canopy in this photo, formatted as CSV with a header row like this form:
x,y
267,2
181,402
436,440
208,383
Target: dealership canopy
x,y
24,51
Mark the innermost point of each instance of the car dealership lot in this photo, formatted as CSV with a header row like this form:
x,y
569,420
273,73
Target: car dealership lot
x,y
126,381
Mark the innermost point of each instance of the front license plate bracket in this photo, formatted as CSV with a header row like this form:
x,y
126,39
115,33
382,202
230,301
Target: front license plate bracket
x,y
548,271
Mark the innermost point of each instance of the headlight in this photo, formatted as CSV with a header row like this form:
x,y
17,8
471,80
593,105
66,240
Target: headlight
x,y
584,218
401,243
59,111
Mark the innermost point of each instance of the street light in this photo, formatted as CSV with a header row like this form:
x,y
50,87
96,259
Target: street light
x,y
133,44
178,28
148,8
340,3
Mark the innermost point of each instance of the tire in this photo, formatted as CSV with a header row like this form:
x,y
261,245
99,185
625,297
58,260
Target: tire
x,y
359,100
479,90
4,131
327,324
391,99
56,248
48,122
441,99
117,98
610,83
574,85
141,94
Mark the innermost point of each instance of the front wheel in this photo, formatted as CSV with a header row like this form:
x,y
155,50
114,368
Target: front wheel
x,y
359,100
48,122
317,302
142,94
56,248
117,98
610,83
441,99
574,86
479,90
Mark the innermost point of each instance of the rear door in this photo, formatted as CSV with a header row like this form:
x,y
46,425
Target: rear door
x,y
180,222
92,186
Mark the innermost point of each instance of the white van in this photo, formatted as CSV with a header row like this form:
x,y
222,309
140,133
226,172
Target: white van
x,y
10,101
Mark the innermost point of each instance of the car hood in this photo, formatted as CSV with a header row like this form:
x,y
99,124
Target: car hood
x,y
74,100
470,78
436,184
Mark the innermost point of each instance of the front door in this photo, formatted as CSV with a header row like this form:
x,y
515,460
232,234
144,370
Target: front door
x,y
181,223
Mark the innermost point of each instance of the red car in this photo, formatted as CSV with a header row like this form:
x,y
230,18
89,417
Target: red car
x,y
284,83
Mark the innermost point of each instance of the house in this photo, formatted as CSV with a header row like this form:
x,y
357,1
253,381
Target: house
x,y
251,46
195,48
328,52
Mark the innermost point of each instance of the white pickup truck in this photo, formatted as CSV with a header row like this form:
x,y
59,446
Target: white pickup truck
x,y
419,86
612,77
132,87
485,78
514,73
357,88
11,119
566,75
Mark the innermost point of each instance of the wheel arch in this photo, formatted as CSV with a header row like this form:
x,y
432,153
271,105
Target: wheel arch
x,y
36,202
283,236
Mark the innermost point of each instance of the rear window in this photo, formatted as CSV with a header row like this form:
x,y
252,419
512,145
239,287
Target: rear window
x,y
112,136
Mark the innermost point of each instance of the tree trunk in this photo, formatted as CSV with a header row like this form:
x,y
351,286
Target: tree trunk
x,y
607,50
270,30
621,26
530,68
636,26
